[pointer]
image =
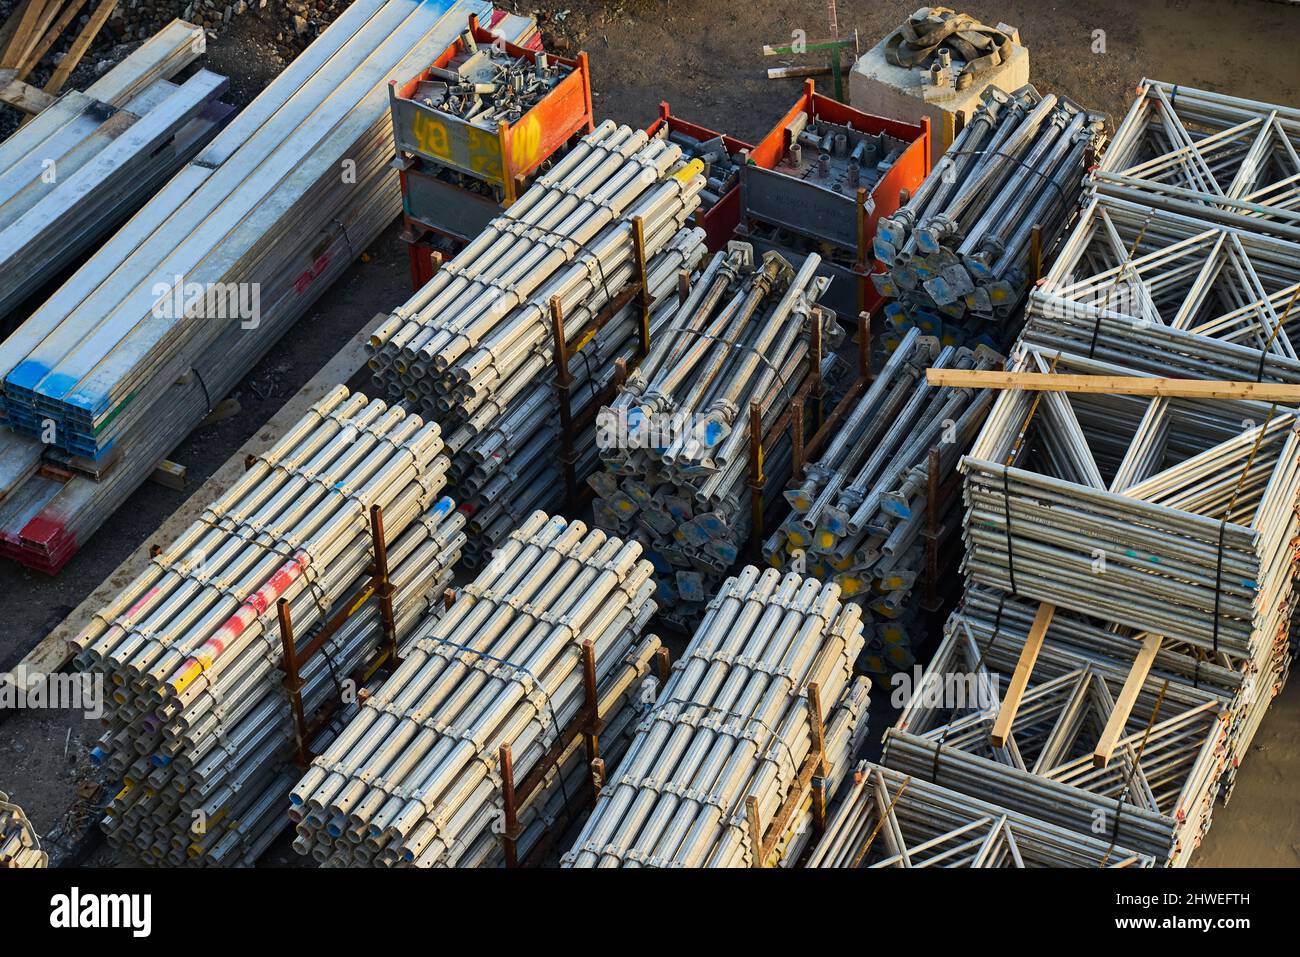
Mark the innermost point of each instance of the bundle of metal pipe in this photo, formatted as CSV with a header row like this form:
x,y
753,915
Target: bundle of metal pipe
x,y
170,313
1217,157
475,347
414,778
550,814
959,252
1170,294
199,725
1164,744
507,464
19,844
761,716
88,161
465,337
891,820
675,444
858,515
1174,516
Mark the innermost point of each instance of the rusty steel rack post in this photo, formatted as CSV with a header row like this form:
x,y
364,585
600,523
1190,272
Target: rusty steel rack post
x,y
812,773
587,724
564,349
378,587
940,496
793,419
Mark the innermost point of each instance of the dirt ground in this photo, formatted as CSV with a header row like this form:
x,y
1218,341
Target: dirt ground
x,y
703,59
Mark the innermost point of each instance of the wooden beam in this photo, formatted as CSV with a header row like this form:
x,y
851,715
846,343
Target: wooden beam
x,y
21,39
69,14
80,45
20,95
1281,392
1020,677
1119,715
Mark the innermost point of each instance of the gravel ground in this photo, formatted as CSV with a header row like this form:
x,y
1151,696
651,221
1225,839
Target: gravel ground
x,y
704,60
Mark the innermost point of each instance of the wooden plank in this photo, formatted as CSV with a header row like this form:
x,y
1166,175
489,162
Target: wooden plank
x,y
225,409
69,14
1119,715
80,45
171,475
24,28
1281,392
51,652
22,96
1020,677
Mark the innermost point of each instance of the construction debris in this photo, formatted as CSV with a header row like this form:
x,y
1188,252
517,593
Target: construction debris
x,y
89,161
677,444
858,515
200,728
962,251
19,844
426,773
758,723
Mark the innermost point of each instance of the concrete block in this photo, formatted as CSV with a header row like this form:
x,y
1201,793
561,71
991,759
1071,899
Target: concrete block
x,y
877,86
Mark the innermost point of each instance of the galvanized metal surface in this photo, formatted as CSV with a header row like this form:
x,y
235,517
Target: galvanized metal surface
x,y
199,727
769,668
414,779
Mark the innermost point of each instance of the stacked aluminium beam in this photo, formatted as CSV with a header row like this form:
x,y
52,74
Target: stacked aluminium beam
x,y
958,253
89,160
415,778
858,516
199,726
676,442
733,723
19,844
926,825
475,349
129,355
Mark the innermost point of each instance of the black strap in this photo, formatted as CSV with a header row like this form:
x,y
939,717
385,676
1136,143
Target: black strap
x,y
1006,513
1218,581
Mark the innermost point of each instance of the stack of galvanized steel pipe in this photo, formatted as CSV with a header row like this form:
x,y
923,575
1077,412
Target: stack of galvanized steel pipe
x,y
676,442
199,726
891,820
88,161
858,515
510,459
958,253
475,347
735,722
414,778
127,357
19,844
1209,155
